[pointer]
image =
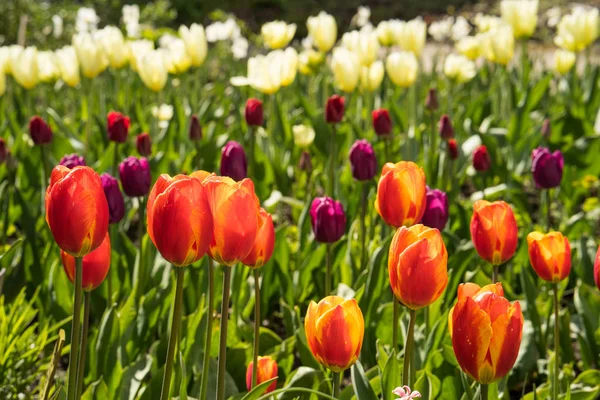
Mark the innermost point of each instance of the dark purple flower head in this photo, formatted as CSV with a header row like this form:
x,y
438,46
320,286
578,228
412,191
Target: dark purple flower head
x,y
135,176
39,130
305,163
72,160
114,197
334,110
117,126
547,168
481,159
195,132
363,160
233,161
445,127
143,144
3,150
431,102
328,219
436,210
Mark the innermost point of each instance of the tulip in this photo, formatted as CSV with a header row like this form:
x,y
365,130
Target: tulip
x,y
269,73
264,243
135,176
305,163
452,149
72,160
486,331
470,47
3,150
431,102
114,198
24,67
334,110
323,31
498,45
2,82
176,57
304,135
153,70
481,159
486,23
363,43
68,65
117,126
547,168
550,255
521,15
372,76
546,128
411,36
138,49
47,66
597,269
459,68
578,30
254,112
95,265
92,59
39,130
563,61
436,210
401,194
387,32
494,231
445,127
163,114
402,68
382,122
277,34
267,369
143,144
233,161
362,160
195,131
334,331
345,66
328,219
76,209
112,43
196,45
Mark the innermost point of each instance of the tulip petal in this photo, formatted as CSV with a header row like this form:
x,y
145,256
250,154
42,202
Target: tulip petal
x,y
338,334
506,340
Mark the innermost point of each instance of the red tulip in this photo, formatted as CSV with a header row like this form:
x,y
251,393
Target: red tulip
x,y
264,244
39,130
550,255
382,122
143,144
118,126
481,159
334,111
494,231
267,369
597,268
254,112
95,265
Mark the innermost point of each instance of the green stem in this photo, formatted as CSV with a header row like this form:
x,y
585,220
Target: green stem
x,y
363,227
113,234
256,326
45,175
6,216
495,273
387,143
332,162
174,335
84,333
88,119
75,331
209,325
433,153
251,150
115,165
524,65
395,319
408,349
484,392
141,224
548,210
556,345
223,333
328,271
335,385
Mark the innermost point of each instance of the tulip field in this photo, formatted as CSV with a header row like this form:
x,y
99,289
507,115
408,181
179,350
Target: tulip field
x,y
374,210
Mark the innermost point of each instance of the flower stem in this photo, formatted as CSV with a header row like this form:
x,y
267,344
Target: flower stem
x,y
174,335
84,333
223,333
556,345
484,392
335,385
408,349
363,227
332,162
209,324
113,235
256,326
395,318
45,175
75,331
495,273
115,166
548,208
251,151
328,271
141,223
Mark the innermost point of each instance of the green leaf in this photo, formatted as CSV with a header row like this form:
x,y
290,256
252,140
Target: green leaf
x,y
391,378
361,384
258,390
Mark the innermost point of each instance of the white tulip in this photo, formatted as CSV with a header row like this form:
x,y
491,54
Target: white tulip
x,y
304,135
163,113
68,64
195,43
459,68
345,65
485,23
138,49
521,15
277,34
564,60
363,43
442,29
86,20
578,30
47,66
498,45
388,31
323,31
402,67
92,59
372,76
460,29
470,46
113,45
152,70
24,68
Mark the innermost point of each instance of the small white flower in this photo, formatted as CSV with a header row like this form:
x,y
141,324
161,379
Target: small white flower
x,y
164,113
239,48
405,393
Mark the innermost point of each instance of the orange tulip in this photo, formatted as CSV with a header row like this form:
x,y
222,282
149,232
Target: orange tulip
x,y
95,265
418,266
267,369
486,331
235,209
494,231
401,194
201,175
179,220
264,243
334,330
76,209
550,255
597,268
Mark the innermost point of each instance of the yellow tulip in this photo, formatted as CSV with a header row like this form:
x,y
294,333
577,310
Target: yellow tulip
x,y
578,30
277,34
564,60
498,45
387,32
411,36
323,31
195,43
13,53
363,43
153,70
269,73
309,61
113,45
303,135
138,49
345,66
459,68
24,68
47,66
402,68
469,46
372,76
4,58
521,15
68,65
90,54
176,57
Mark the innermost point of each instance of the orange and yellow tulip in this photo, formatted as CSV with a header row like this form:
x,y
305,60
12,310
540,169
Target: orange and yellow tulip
x,y
494,231
334,331
76,209
550,255
486,331
263,244
201,175
180,223
267,369
597,268
418,266
401,194
95,265
235,209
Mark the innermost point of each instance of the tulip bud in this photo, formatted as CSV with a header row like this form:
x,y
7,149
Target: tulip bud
x,y
305,163
431,102
322,29
39,130
334,111
452,149
546,128
95,265
267,369
195,128
436,210
114,198
277,34
481,159
362,160
135,176
143,144
328,219
264,243
382,122
550,255
3,150
445,127
494,231
547,168
304,135
118,126
72,160
233,161
254,112
597,268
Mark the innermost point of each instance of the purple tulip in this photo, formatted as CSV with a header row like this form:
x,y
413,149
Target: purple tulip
x,y
135,176
233,161
436,210
72,160
114,197
547,168
363,160
328,219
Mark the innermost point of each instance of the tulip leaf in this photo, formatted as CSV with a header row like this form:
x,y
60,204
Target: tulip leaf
x,y
258,390
361,384
391,377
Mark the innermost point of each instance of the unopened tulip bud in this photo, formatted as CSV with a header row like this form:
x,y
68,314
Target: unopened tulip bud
x,y
550,255
431,102
436,210
143,144
546,128
382,122
233,161
334,111
481,159
254,112
267,369
39,130
135,176
118,126
114,198
328,219
305,163
363,160
452,149
3,150
72,160
547,168
445,127
195,132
